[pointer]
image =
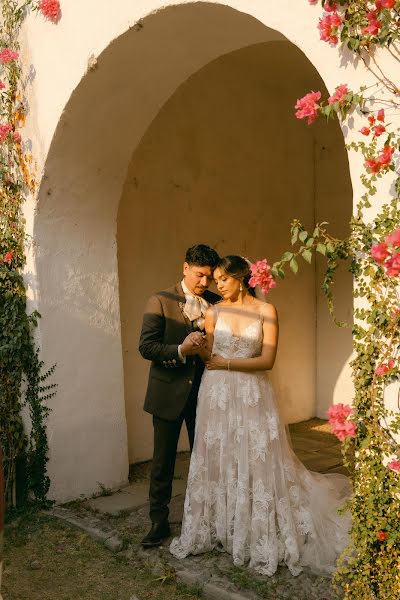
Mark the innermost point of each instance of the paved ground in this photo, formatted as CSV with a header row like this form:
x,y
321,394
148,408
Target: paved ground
x,y
120,519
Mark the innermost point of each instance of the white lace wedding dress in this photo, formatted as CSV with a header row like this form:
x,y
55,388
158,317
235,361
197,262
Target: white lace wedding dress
x,y
247,493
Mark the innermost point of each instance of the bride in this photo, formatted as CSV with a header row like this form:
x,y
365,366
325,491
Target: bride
x,y
247,493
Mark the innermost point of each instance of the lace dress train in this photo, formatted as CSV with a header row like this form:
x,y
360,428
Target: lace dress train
x,y
247,493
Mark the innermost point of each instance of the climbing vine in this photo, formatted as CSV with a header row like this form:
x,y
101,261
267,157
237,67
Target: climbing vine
x,y
22,380
369,429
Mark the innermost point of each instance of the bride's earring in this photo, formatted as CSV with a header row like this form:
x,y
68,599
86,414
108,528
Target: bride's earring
x,y
240,288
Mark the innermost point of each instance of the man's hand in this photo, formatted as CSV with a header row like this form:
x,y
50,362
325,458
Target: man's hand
x,y
193,343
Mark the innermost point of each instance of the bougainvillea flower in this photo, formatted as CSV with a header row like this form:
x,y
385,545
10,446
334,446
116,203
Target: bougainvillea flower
x,y
4,131
7,55
378,4
261,275
328,27
307,107
386,156
313,1
340,426
384,368
50,9
2,86
365,130
371,119
394,465
394,237
387,3
380,252
8,257
16,136
340,94
382,536
392,265
330,5
372,165
378,130
373,27
381,115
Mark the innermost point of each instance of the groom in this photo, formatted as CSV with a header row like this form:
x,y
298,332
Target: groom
x,y
172,336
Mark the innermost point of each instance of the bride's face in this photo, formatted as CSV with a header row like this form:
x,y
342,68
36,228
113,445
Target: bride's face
x,y
227,285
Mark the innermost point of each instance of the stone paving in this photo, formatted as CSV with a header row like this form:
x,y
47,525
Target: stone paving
x,y
120,519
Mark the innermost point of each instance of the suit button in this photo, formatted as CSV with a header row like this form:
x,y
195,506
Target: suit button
x,y
190,381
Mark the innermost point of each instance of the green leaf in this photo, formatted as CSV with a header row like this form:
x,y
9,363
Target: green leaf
x,y
303,235
307,255
321,248
293,265
287,256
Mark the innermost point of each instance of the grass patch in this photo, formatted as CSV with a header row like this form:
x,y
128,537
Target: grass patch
x,y
45,559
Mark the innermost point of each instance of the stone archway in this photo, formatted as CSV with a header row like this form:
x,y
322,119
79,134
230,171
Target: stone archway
x,y
76,225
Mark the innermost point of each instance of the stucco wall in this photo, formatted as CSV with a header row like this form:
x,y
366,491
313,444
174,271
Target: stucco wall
x,y
84,126
214,167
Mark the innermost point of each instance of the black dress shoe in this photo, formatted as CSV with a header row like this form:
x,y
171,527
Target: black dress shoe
x,y
157,533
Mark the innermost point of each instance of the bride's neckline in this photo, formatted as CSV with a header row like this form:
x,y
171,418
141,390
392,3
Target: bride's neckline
x,y
245,329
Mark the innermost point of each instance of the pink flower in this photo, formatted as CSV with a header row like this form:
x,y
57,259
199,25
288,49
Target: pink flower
x,y
386,156
7,55
365,130
394,237
328,28
16,136
2,86
340,94
307,107
371,119
374,25
380,252
313,1
378,130
394,465
260,275
378,4
381,115
372,165
50,9
330,5
4,131
8,257
392,265
382,536
340,426
384,368
387,3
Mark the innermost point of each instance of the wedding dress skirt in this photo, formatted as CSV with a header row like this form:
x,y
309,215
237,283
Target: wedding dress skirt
x,y
247,493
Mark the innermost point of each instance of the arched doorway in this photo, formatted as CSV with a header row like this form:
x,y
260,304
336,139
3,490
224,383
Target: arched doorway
x,y
122,113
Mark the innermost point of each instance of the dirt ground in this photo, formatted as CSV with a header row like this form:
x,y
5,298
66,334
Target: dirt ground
x,y
46,560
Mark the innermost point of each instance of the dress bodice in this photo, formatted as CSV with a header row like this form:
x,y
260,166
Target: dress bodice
x,y
246,345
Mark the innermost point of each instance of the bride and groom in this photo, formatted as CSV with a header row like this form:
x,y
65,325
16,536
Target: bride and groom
x,y
247,493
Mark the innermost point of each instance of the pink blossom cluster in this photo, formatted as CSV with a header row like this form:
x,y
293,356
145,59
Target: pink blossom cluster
x,y
2,85
307,107
7,55
394,465
4,131
387,253
374,24
384,368
340,95
8,257
376,128
382,161
328,27
261,275
50,9
338,419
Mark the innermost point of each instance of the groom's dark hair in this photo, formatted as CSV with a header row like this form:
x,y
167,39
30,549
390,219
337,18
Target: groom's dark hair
x,y
202,256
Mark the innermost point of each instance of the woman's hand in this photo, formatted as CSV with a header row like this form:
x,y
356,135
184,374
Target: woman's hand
x,y
216,362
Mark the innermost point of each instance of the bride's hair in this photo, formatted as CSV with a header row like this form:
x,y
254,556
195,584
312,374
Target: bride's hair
x,y
239,268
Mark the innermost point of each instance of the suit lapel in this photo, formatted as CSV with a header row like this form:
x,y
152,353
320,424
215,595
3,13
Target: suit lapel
x,y
181,304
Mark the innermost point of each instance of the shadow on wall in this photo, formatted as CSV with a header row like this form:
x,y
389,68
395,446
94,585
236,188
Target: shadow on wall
x,y
226,163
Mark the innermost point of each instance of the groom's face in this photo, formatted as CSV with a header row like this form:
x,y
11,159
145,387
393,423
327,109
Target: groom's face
x,y
197,278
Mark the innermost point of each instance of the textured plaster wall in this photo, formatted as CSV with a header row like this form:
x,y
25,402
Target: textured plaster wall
x,y
97,81
213,167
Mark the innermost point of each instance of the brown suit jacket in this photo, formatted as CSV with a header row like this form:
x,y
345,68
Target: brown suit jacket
x,y
164,328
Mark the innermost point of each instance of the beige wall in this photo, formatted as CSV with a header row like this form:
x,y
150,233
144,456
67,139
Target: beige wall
x,y
226,163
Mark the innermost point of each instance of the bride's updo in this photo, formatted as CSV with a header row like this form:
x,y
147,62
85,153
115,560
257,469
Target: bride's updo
x,y
239,268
